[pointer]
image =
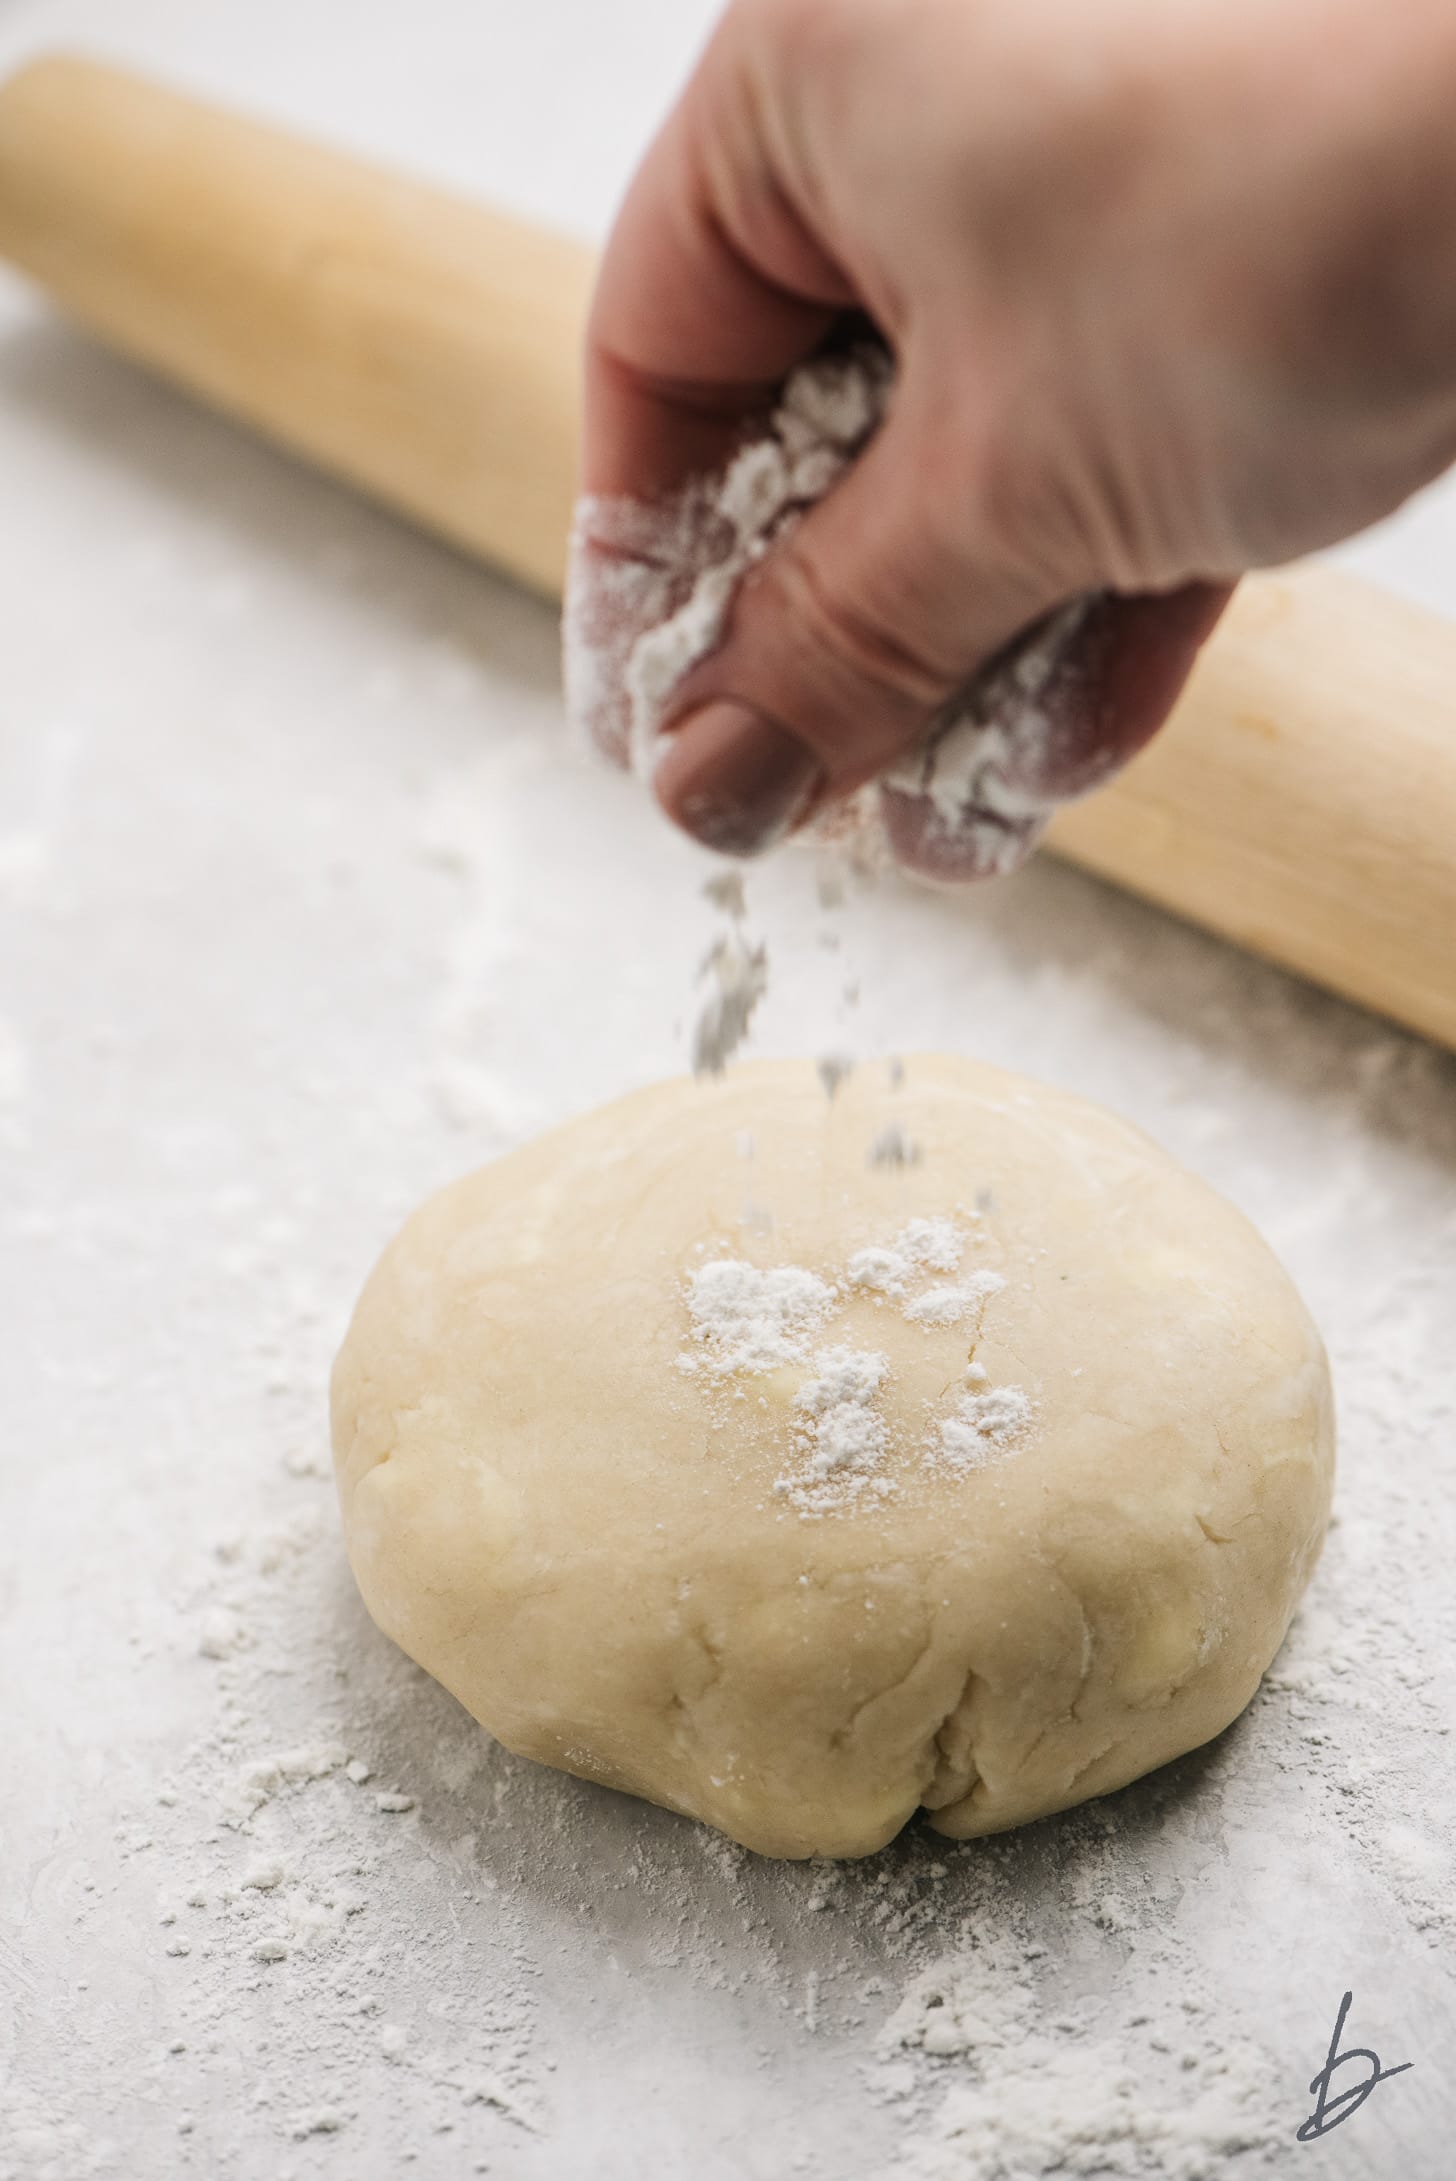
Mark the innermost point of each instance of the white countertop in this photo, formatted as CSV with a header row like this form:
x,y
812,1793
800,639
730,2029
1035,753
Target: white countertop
x,y
305,905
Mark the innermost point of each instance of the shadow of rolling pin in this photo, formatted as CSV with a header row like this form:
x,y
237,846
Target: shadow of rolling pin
x,y
1302,800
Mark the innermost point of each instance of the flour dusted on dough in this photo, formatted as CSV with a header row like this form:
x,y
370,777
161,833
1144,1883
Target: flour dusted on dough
x,y
749,1320
925,1245
650,590
984,1426
842,1439
953,1305
747,1323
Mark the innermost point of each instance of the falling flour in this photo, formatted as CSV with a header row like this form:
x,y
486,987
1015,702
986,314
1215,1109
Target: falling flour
x,y
892,1147
736,972
739,979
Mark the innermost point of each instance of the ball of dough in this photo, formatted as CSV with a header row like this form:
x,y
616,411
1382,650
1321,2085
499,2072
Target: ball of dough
x,y
796,1463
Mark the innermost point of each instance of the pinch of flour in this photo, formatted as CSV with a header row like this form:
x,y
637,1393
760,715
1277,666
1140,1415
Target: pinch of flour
x,y
652,586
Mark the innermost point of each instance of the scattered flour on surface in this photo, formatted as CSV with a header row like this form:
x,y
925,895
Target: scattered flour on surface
x,y
322,2120
970,2002
289,1903
221,1632
1002,2087
269,1776
1085,2114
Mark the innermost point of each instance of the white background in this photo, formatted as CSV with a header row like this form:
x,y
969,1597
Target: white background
x,y
305,905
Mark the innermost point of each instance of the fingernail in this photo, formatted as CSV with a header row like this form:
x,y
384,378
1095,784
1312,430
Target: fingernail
x,y
735,780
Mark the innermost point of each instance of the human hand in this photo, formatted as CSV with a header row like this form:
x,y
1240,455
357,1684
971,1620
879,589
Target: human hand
x,y
1153,282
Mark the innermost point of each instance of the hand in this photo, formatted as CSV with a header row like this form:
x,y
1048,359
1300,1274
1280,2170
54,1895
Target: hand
x,y
1169,296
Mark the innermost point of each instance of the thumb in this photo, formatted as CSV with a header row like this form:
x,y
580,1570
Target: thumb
x,y
844,642
870,626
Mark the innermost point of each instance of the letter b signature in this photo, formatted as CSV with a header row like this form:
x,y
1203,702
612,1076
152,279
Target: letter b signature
x,y
1330,2110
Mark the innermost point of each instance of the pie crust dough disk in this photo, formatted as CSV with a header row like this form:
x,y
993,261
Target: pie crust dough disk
x,y
582,1540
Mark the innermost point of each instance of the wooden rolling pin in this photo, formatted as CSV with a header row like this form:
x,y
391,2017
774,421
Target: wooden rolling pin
x,y
1302,801
425,349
